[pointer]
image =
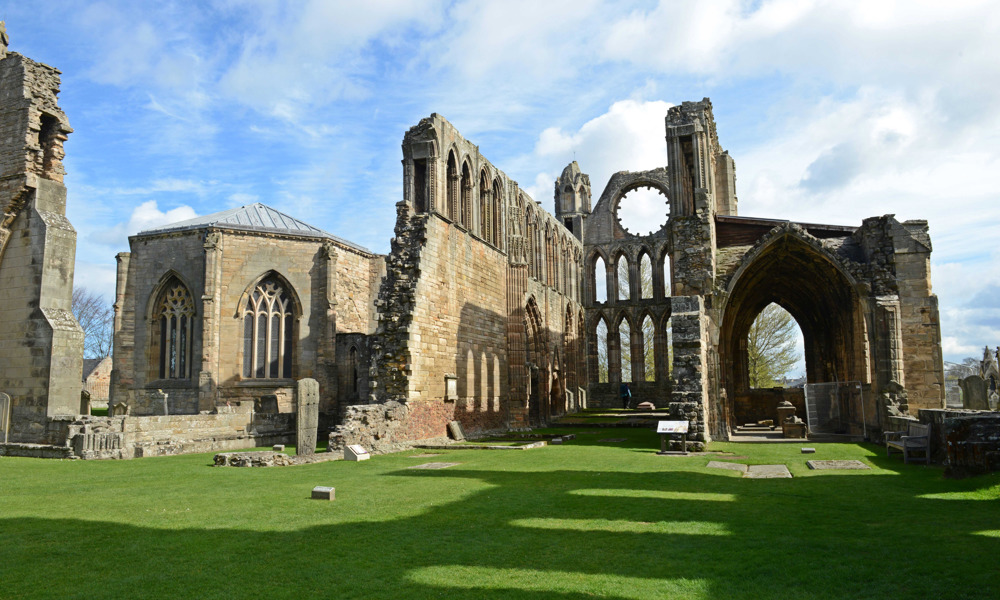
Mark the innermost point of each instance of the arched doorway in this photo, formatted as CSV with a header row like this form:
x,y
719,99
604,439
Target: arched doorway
x,y
536,365
796,273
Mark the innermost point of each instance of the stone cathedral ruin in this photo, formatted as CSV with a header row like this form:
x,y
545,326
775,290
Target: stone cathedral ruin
x,y
489,310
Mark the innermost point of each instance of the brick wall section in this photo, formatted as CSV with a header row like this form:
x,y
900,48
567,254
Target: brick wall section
x,y
98,382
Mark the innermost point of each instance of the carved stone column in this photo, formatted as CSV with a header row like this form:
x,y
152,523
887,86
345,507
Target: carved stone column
x,y
207,376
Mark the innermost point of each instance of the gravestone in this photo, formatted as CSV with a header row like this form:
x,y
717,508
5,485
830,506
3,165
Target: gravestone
x,y
4,415
974,393
322,492
307,416
84,402
455,429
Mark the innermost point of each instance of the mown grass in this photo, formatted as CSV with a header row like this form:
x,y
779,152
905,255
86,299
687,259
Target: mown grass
x,y
581,520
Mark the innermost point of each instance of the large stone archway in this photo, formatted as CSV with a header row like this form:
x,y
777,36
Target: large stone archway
x,y
793,271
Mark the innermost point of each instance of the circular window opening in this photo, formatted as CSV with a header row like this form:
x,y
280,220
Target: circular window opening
x,y
643,210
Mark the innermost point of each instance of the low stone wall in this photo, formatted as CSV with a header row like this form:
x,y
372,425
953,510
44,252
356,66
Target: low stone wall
x,y
382,428
966,441
133,437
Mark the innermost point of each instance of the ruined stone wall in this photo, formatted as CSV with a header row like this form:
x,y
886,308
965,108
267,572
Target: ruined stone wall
x,y
41,344
232,428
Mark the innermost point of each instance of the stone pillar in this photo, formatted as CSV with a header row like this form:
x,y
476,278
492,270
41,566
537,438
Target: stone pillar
x,y
328,343
207,383
306,416
689,400
888,343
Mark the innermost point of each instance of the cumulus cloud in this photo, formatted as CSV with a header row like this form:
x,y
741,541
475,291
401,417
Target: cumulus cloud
x,y
145,216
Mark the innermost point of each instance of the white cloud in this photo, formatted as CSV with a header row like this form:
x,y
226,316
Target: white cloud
x,y
145,216
628,137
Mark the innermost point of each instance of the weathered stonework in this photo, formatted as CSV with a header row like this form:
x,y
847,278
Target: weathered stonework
x,y
41,344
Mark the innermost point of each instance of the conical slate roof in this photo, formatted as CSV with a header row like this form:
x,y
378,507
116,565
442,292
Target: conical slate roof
x,y
252,217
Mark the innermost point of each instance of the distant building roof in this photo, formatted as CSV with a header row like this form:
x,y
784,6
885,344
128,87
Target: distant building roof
x,y
253,217
89,364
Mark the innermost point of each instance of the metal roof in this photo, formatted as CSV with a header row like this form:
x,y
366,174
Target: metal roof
x,y
253,217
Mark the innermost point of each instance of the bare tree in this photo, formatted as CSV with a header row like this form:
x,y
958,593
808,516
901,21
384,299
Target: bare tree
x,y
771,351
96,317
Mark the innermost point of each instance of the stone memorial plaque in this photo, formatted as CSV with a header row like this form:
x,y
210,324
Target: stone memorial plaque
x,y
356,452
556,441
767,472
672,427
434,465
455,430
266,405
837,464
321,492
5,410
307,416
715,464
808,451
278,448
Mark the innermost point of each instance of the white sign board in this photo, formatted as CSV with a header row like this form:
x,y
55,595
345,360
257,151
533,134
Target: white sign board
x,y
672,427
356,452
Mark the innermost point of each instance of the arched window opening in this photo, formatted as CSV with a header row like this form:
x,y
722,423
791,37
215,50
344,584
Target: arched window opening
x,y
645,277
175,312
667,290
352,372
623,289
267,331
484,207
452,209
625,342
773,348
648,354
497,202
601,342
420,185
465,205
668,337
600,281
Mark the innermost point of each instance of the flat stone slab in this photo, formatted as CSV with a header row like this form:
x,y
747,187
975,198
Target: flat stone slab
x,y
808,451
767,472
269,458
715,464
424,455
434,465
613,440
836,464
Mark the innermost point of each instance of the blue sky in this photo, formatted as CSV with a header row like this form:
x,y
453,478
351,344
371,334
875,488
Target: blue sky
x,y
833,111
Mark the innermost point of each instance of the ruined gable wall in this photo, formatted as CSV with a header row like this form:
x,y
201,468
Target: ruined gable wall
x,y
41,344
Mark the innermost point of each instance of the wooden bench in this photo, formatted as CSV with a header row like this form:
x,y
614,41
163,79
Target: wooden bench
x,y
918,437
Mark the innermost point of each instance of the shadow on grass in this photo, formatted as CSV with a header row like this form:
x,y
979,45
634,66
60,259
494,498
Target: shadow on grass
x,y
568,533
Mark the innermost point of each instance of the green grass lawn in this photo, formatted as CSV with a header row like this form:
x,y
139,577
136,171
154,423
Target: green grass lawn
x,y
581,520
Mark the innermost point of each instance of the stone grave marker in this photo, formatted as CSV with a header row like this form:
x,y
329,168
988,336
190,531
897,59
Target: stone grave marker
x,y
5,409
716,464
836,464
307,416
455,430
322,492
974,393
434,465
767,472
84,402
278,448
808,451
120,409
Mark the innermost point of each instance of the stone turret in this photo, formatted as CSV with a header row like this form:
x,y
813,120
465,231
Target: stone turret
x,y
572,196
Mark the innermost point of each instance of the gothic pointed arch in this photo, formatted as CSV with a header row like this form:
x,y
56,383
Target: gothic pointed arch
x,y
465,196
172,322
269,310
451,187
791,268
645,272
